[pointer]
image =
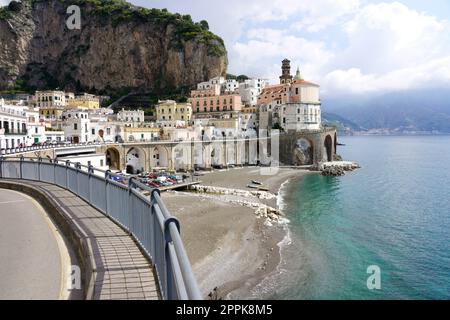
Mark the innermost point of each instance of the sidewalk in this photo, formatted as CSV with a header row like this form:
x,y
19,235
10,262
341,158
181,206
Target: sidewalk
x,y
120,269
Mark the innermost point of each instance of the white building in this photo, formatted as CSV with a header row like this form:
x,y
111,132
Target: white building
x,y
98,161
13,126
300,116
230,86
207,85
36,128
76,126
250,89
102,131
131,116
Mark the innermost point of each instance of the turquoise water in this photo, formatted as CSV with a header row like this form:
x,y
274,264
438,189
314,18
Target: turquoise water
x,y
393,213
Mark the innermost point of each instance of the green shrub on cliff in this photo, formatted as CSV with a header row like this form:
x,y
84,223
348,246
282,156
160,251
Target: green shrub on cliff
x,y
4,13
120,11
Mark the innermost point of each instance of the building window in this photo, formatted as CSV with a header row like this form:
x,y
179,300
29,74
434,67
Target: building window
x,y
102,163
93,131
75,126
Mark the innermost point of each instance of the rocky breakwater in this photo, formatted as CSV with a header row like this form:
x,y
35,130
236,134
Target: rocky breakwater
x,y
247,199
337,168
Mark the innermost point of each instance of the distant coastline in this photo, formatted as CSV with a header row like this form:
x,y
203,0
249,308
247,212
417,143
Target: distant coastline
x,y
392,133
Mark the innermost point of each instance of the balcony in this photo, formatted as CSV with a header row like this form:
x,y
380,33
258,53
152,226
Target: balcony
x,y
17,132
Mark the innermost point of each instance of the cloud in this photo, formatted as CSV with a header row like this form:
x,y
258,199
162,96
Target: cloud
x,y
320,14
271,44
391,47
4,2
381,47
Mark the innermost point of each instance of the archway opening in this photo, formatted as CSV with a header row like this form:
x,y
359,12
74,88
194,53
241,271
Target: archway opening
x,y
160,157
135,160
113,159
329,147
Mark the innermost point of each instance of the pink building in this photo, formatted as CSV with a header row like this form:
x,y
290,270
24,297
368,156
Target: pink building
x,y
209,101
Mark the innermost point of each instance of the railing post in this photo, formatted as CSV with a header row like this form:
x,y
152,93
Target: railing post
x,y
1,166
90,172
67,173
78,168
130,205
55,163
154,218
21,167
107,173
39,168
170,281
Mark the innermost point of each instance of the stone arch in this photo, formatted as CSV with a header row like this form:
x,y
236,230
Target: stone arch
x,y
230,152
135,160
328,147
160,157
247,151
181,155
113,158
217,153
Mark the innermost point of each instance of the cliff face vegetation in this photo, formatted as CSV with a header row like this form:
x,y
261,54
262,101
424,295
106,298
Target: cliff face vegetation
x,y
119,47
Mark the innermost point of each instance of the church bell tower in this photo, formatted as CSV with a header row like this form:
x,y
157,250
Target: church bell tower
x,y
286,72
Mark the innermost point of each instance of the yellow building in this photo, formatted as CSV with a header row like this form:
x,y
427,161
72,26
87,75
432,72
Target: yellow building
x,y
50,99
249,109
172,114
84,102
51,113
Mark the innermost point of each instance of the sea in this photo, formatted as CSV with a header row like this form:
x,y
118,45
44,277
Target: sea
x,y
381,232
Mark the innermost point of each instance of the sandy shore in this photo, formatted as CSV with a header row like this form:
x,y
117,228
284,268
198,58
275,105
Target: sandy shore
x,y
229,246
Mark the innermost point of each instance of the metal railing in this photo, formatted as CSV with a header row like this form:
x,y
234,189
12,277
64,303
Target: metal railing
x,y
47,146
146,218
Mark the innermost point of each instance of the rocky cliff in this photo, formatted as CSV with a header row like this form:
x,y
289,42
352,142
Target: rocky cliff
x,y
118,47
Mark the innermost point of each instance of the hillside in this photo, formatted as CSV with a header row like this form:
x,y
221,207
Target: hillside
x,y
119,48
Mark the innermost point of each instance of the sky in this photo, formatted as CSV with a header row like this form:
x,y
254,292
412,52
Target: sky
x,y
349,47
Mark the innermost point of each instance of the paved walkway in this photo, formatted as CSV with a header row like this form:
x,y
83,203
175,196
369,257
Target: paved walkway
x,y
33,256
122,270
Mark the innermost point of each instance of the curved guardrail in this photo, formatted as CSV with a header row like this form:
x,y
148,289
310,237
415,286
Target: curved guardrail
x,y
145,218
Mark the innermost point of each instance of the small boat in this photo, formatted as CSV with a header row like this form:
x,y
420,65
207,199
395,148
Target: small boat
x,y
252,186
263,188
256,182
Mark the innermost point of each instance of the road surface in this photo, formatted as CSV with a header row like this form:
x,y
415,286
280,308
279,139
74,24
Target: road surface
x,y
34,261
